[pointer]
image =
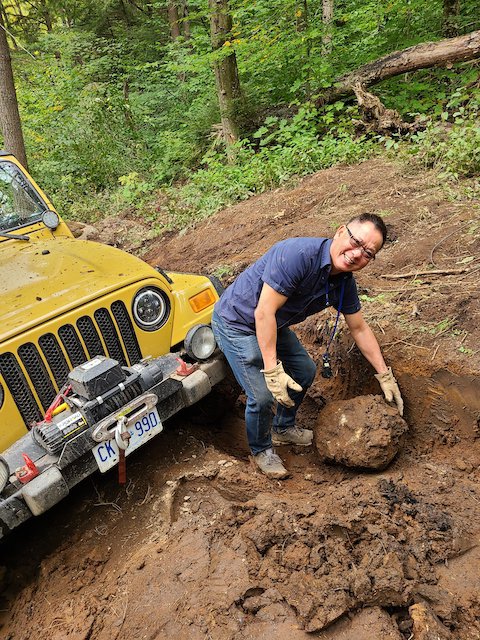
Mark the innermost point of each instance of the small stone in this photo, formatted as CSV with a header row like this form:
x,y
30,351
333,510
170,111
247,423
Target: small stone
x,y
228,464
186,498
221,463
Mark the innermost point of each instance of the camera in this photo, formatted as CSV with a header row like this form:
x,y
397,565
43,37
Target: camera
x,y
326,367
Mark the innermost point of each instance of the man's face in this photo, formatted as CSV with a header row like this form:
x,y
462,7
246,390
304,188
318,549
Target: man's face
x,y
354,246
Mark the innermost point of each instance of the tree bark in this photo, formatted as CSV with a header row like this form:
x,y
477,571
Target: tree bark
x,y
10,124
327,20
172,11
376,117
226,72
420,56
185,20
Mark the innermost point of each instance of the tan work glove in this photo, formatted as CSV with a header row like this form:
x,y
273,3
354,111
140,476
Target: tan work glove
x,y
390,388
278,382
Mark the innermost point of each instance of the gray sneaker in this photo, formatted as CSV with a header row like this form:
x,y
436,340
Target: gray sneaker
x,y
293,435
270,464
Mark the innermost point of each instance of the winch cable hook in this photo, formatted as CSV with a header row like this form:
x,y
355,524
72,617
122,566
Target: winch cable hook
x,y
122,438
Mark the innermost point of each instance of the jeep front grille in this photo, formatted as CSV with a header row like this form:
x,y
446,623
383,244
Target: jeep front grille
x,y
100,335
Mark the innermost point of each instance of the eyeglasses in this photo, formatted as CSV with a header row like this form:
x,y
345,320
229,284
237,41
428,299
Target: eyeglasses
x,y
355,242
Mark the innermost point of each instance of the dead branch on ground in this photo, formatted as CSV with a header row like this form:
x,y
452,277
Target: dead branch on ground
x,y
431,272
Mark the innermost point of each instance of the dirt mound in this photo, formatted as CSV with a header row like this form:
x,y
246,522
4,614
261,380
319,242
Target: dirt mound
x,y
361,432
201,545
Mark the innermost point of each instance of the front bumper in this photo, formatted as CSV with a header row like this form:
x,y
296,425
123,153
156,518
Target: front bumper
x,y
59,473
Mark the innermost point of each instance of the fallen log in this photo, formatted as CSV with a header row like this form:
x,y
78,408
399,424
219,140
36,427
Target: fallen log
x,y
420,56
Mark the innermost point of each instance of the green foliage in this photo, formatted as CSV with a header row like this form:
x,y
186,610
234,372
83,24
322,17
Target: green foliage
x,y
279,151
452,144
76,123
114,111
223,271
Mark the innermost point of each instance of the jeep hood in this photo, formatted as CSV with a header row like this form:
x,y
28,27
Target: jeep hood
x,y
40,280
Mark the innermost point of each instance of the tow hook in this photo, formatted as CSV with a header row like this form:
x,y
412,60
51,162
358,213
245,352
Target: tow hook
x,y
185,369
28,472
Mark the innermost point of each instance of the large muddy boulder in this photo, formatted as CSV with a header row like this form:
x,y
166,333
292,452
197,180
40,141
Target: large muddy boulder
x,y
363,432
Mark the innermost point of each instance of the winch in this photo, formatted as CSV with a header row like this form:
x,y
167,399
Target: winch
x,y
96,390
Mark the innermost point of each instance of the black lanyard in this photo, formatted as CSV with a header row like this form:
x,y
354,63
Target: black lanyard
x,y
326,368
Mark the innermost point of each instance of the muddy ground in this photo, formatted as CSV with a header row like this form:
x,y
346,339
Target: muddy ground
x,y
200,545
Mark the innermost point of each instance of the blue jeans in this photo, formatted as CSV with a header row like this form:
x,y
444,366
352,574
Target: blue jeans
x,y
245,359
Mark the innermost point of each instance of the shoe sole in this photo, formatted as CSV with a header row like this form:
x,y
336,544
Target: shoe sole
x,y
298,444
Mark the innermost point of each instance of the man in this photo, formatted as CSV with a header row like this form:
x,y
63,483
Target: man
x,y
293,280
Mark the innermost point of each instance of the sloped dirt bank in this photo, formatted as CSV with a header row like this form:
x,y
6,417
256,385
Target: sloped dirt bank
x,y
200,545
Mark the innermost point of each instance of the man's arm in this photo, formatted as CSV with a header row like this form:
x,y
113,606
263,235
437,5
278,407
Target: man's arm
x,y
368,345
278,382
269,303
366,340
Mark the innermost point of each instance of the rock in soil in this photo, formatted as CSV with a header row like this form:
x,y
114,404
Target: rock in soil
x,y
362,432
426,625
369,623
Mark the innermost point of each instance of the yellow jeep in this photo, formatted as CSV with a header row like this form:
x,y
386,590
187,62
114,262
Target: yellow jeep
x,y
97,350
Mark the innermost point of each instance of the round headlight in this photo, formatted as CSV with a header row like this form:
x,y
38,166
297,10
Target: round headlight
x,y
200,342
4,473
150,309
50,219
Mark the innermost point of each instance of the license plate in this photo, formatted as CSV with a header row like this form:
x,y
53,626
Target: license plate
x,y
106,453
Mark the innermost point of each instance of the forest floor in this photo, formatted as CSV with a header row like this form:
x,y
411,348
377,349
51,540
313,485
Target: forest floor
x,y
201,545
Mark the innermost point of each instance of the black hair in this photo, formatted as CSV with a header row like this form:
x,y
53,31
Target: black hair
x,y
377,222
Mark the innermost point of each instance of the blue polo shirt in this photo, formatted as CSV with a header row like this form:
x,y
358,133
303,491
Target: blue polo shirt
x,y
298,268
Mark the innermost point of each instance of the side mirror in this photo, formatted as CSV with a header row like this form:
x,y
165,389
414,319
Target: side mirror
x,y
50,219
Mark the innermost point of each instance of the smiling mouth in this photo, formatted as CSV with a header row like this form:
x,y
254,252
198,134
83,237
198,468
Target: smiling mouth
x,y
348,260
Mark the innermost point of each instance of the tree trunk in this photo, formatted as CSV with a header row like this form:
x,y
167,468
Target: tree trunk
x,y
226,72
451,11
172,11
126,13
301,14
48,20
421,56
10,124
185,21
327,20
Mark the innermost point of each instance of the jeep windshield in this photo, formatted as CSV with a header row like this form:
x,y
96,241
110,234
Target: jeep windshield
x,y
19,203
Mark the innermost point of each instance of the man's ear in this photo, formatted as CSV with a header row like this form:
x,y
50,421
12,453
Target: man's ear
x,y
339,231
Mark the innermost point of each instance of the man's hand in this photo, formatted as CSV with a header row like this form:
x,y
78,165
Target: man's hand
x,y
278,382
390,388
